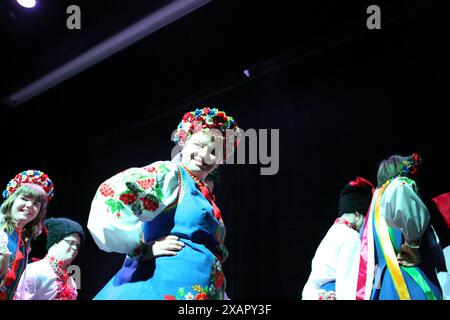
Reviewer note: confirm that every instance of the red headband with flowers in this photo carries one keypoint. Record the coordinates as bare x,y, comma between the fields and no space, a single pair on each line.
205,118
30,176
411,165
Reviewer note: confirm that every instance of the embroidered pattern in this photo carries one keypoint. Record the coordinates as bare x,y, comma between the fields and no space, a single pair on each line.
197,292
65,291
29,176
142,192
345,222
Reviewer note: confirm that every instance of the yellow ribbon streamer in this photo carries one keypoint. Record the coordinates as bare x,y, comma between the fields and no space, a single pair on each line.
388,250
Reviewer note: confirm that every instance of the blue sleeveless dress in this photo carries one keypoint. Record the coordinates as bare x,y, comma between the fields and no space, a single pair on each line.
195,273
419,284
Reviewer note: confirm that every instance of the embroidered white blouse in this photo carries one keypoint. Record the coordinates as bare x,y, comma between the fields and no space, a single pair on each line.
39,282
129,198
336,259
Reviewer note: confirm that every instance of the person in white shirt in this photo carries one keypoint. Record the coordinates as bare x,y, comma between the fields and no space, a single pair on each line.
335,263
48,279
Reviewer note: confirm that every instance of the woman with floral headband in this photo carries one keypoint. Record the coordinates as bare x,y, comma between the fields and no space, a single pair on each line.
21,217
392,243
139,205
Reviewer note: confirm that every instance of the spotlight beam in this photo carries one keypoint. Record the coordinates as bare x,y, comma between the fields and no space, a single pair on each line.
152,23
27,3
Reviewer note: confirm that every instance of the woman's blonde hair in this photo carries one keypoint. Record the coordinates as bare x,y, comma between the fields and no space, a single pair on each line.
32,229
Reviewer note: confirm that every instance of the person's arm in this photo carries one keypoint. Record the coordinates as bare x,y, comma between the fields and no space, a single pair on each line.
124,201
321,271
4,265
347,266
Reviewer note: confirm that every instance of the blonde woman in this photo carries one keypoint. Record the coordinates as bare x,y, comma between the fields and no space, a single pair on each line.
21,217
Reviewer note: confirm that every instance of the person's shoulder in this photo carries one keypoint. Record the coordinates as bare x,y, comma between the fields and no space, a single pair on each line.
403,181
158,168
343,233
37,265
161,167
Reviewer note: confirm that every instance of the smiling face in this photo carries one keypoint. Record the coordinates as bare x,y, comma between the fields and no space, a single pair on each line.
201,153
25,208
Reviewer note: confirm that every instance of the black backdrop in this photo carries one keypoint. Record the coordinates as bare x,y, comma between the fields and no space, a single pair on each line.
339,111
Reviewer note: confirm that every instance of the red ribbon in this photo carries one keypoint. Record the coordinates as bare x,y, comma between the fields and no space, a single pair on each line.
363,260
211,199
361,182
11,276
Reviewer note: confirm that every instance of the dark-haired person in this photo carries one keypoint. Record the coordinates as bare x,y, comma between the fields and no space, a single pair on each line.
392,267
48,279
21,215
335,264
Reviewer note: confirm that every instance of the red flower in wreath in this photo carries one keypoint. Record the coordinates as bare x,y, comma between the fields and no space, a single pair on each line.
169,297
188,117
220,118
415,157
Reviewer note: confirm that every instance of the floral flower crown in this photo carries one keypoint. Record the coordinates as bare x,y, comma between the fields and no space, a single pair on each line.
411,164
29,176
205,118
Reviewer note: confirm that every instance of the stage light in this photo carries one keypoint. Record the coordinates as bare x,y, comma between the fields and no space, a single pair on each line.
158,19
27,3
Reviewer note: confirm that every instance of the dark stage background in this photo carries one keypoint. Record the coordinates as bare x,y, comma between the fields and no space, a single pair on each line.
342,96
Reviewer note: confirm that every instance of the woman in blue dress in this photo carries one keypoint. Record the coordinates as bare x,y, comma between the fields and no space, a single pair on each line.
139,205
397,245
